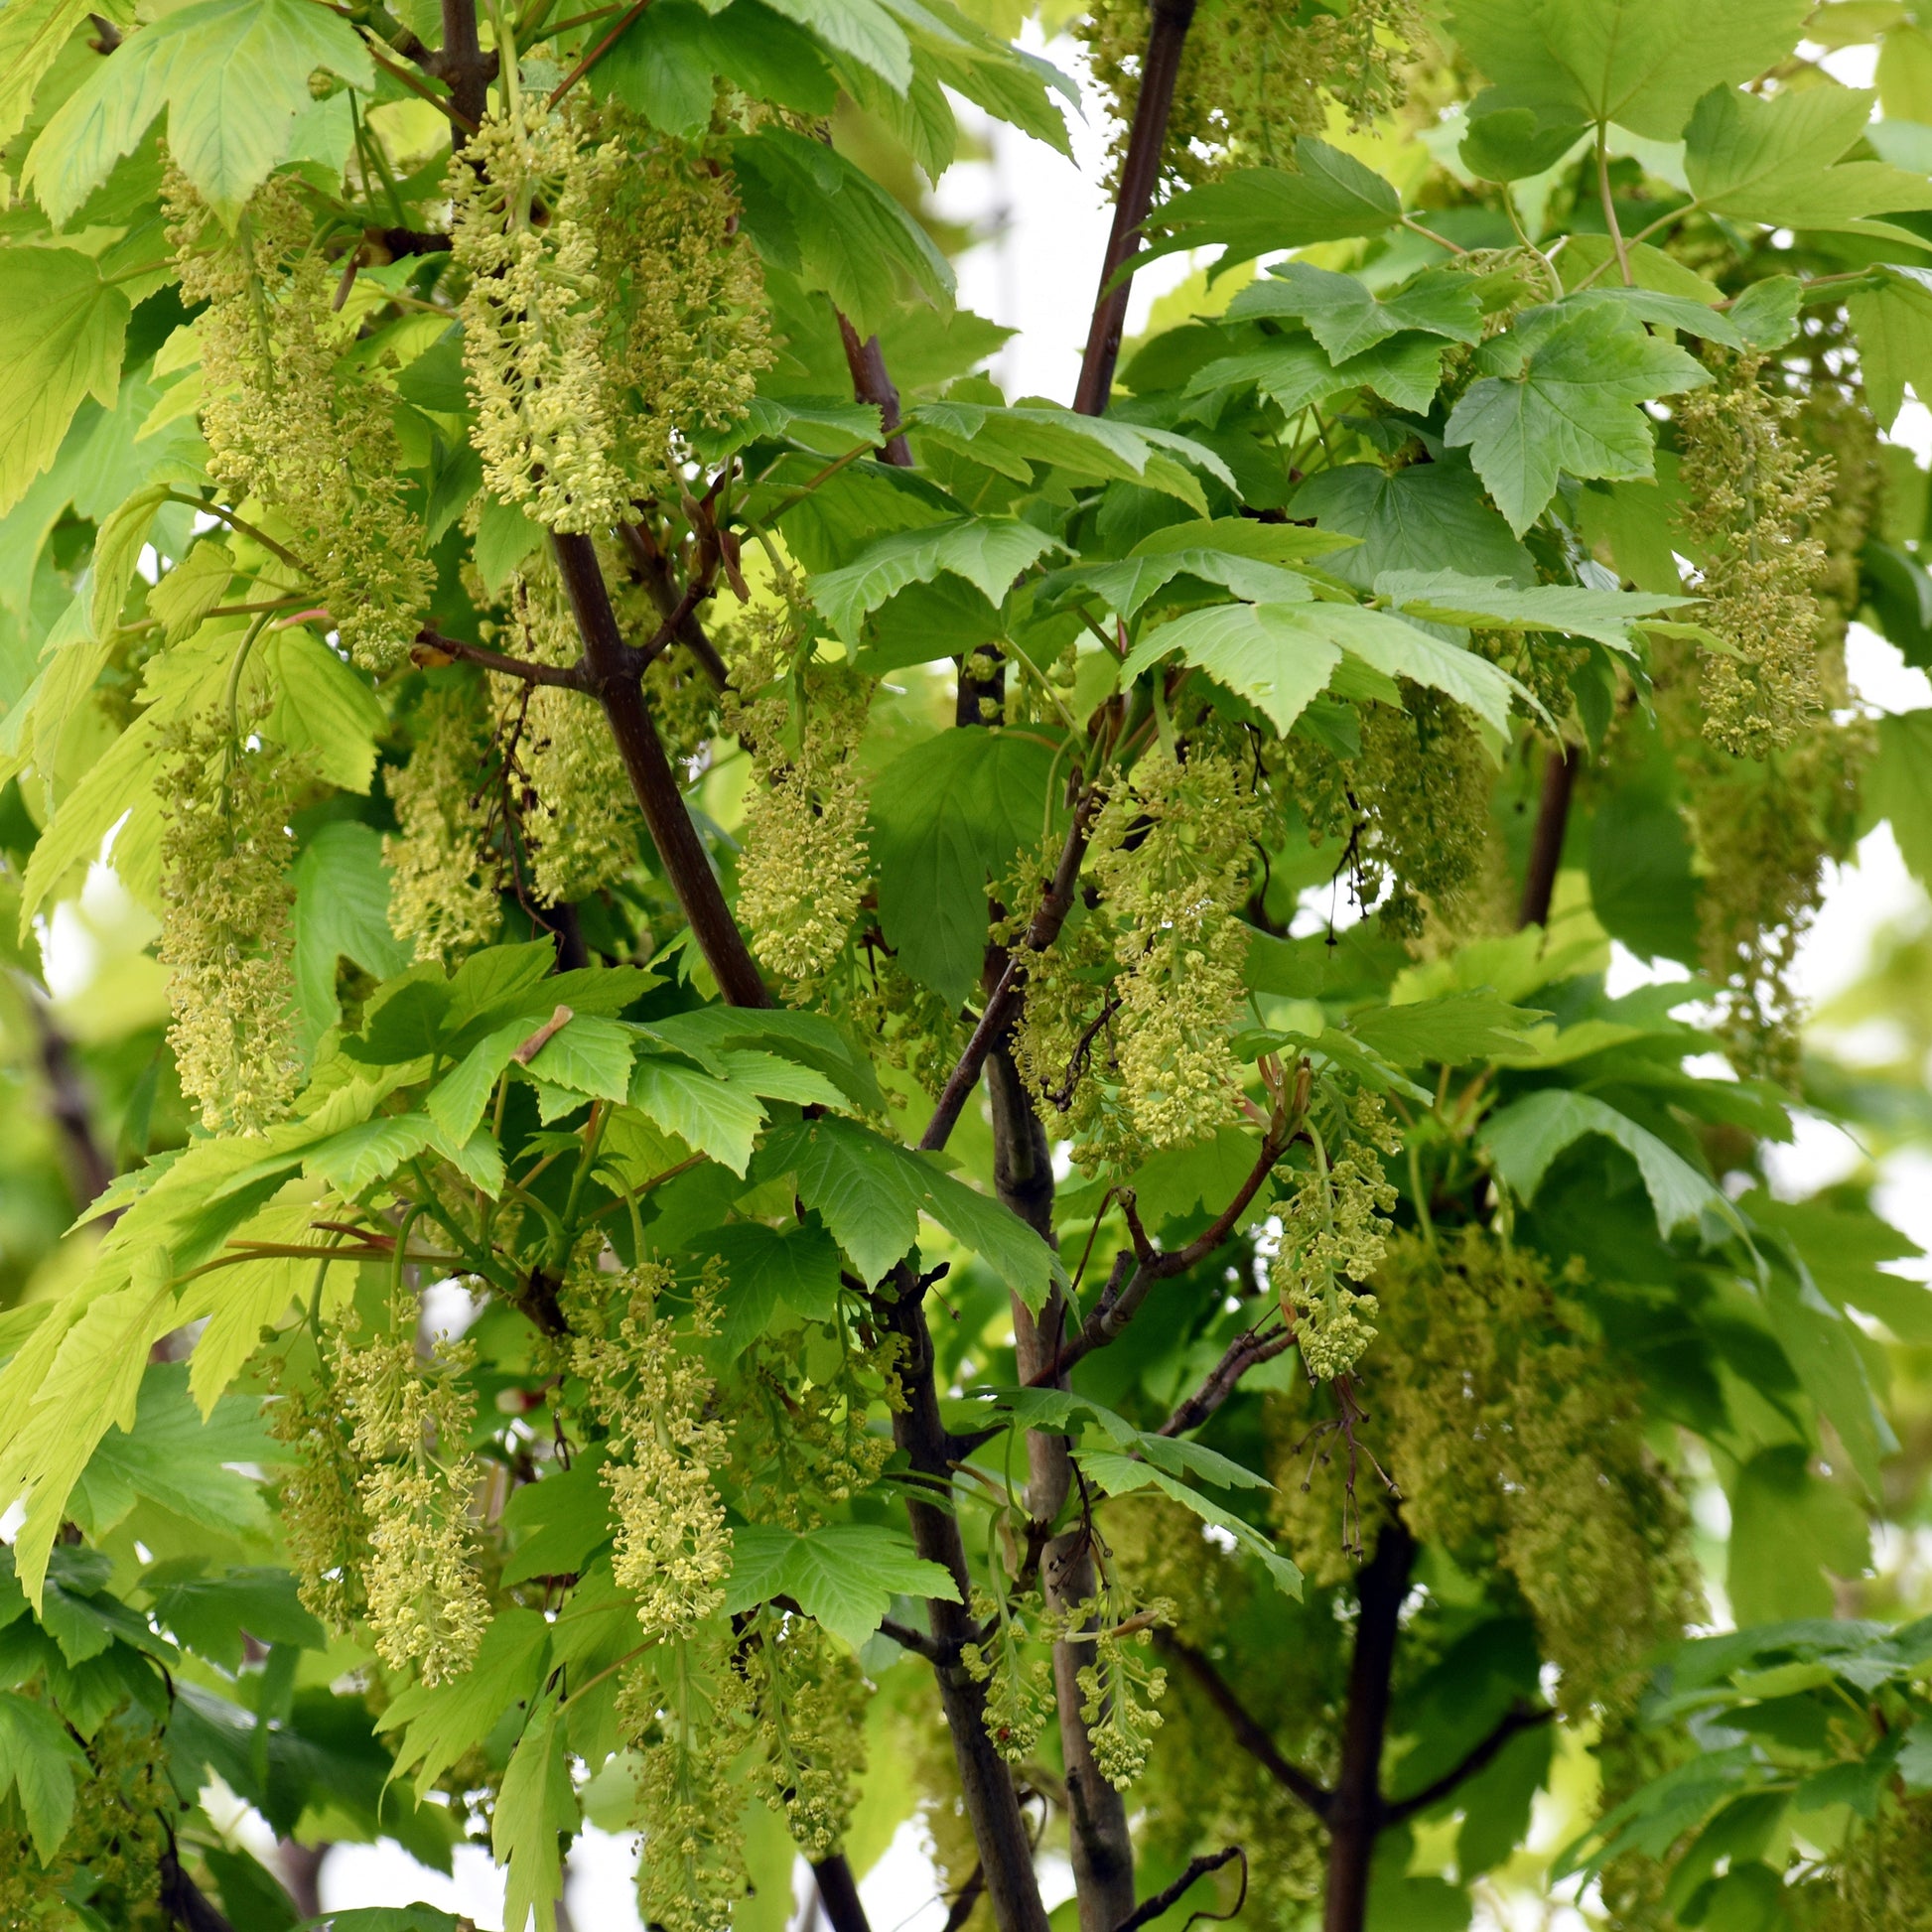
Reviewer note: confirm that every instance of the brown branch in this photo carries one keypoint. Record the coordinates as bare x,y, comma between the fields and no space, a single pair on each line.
1518,1719
1136,1271
653,570
1245,1353
1357,1811
872,383
986,1784
432,649
915,1640
1198,1868
686,865
838,1893
968,1895
1003,1005
1247,1732
409,242
1546,843
1140,173
183,1900
463,67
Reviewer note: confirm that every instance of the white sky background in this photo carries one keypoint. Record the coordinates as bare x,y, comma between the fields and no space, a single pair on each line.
1048,220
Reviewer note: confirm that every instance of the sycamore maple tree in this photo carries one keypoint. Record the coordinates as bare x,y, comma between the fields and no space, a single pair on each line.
756,1209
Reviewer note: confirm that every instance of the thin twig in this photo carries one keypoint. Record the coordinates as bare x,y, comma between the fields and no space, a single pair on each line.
1247,1732
1197,1869
597,53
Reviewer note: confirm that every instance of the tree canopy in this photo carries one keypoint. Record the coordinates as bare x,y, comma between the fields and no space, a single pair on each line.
810,1096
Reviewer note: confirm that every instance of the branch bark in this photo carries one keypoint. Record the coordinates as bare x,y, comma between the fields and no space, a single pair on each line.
1139,172
183,1900
1197,1869
838,1893
653,570
463,67
89,1168
432,648
1518,1719
1357,1811
871,382
1247,1732
1246,1352
1546,841
992,1804
680,851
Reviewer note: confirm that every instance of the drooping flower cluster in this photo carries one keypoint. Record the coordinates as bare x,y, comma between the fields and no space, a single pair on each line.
225,937
685,1703
1012,1664
1334,1234
1511,1436
673,1550
1172,852
1753,494
1255,75
808,1706
1120,1690
802,1446
578,842
320,452
803,869
444,897
533,338
682,292
410,1418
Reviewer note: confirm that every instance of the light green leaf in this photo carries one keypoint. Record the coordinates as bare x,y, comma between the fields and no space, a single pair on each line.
536,1804
1641,63
457,1101
215,1614
1346,317
1122,1476
188,592
234,75
1528,1134
38,1762
716,1116
440,1725
1295,371
323,711
62,331
1447,1032
1276,655
1447,596
1018,441
844,1575
1898,787
341,911
1770,160
988,552
1563,393
32,35
118,544
948,817
372,1149
1331,197
588,1055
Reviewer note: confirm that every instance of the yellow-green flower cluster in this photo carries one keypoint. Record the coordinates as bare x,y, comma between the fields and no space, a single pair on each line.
532,334
1120,1689
410,1421
1511,1436
225,937
1255,75
1013,1668
682,292
684,1703
673,1550
803,869
800,1445
1753,494
809,1705
320,453
1171,853
444,894
579,839
1334,1234
323,1523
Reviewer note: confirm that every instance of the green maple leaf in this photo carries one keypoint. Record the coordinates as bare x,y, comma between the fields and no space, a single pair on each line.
1561,392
